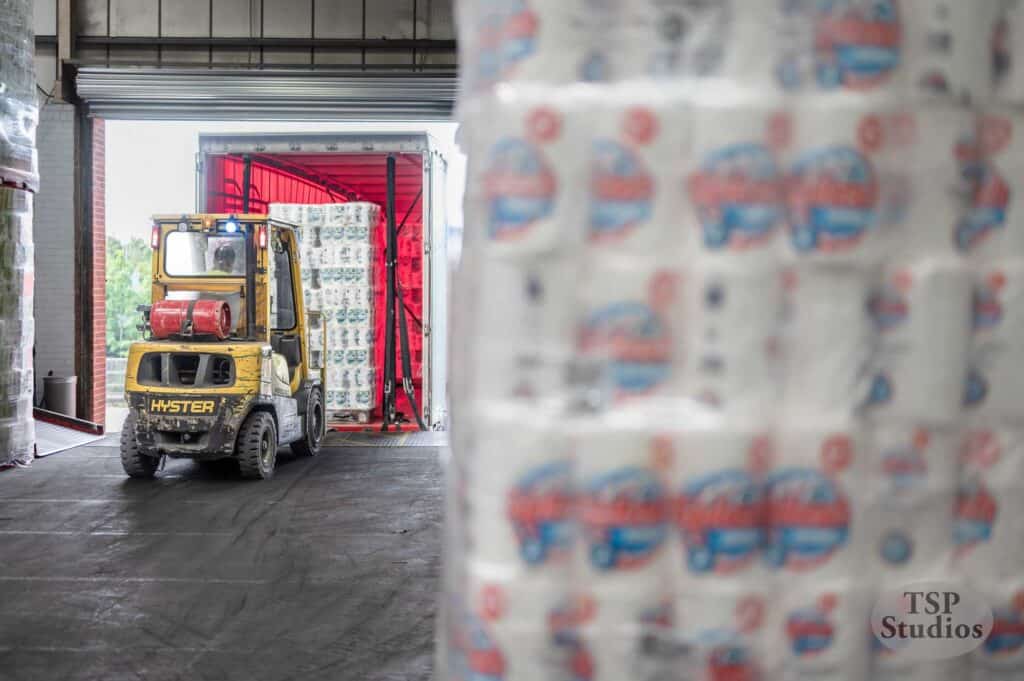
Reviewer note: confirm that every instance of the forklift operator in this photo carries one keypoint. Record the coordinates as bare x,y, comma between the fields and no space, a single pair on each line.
224,259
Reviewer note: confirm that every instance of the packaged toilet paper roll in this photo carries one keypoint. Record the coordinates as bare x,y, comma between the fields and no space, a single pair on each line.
722,631
673,39
835,174
949,49
719,508
994,227
733,321
907,463
535,41
828,340
502,596
610,615
622,505
524,317
527,186
987,533
640,133
916,540
629,324
518,482
912,478
819,630
817,502
998,306
1003,650
504,631
829,47
922,313
615,639
734,180
928,194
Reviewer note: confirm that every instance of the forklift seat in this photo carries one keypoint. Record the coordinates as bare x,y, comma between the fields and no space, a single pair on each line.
281,382
290,348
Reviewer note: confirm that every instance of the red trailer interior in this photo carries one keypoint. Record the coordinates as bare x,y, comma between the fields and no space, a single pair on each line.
337,178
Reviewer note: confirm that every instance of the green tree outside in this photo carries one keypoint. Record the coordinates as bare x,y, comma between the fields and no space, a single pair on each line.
128,286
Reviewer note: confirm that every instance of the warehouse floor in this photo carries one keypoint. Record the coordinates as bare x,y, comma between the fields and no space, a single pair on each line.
328,571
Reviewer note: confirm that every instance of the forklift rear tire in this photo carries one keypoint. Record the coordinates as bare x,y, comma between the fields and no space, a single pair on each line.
135,463
315,426
257,446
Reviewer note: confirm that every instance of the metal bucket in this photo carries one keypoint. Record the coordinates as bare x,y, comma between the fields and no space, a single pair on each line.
60,394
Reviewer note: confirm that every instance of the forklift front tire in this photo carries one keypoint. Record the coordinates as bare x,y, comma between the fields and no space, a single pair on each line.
315,425
135,462
257,446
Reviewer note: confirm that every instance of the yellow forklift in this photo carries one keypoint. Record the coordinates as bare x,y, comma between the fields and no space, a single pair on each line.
226,369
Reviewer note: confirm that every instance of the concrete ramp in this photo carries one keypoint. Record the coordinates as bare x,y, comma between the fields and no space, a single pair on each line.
57,433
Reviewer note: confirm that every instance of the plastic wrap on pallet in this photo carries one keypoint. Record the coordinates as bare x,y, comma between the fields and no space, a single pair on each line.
19,111
736,336
337,260
17,328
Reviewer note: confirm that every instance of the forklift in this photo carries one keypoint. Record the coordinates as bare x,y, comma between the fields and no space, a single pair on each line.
226,370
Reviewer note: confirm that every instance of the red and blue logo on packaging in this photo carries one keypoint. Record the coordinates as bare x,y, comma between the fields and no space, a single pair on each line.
990,197
990,193
809,517
506,35
833,200
728,658
976,388
475,655
738,193
1007,637
810,632
622,191
637,341
564,623
539,508
974,516
722,519
987,307
624,516
520,188
890,307
857,44
905,467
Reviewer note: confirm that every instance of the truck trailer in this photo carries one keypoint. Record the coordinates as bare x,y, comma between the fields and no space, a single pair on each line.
247,173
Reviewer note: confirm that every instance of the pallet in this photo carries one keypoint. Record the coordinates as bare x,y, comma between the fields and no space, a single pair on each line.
361,416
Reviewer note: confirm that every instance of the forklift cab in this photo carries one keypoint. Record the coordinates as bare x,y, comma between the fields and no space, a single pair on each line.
239,395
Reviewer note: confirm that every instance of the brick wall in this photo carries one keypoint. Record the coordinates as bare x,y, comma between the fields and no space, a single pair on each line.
54,235
99,275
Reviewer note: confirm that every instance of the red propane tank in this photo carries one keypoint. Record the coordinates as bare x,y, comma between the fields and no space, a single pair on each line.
190,317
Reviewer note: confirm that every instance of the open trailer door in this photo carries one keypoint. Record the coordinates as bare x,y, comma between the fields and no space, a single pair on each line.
328,168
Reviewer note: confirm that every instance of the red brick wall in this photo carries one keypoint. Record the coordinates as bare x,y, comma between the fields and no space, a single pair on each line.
98,407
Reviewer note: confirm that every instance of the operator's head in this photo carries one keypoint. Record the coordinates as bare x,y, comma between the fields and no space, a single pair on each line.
224,258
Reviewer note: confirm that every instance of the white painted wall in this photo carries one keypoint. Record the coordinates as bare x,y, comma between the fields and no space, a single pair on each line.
55,243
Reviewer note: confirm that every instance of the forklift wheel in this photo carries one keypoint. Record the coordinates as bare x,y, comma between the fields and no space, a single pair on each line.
135,463
257,446
314,422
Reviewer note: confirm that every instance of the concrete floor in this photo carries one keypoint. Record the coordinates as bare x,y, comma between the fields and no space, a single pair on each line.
328,571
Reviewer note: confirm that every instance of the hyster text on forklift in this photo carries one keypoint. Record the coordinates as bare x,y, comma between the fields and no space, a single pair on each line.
225,371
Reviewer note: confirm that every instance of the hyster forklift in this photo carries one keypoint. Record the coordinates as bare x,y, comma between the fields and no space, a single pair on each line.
225,371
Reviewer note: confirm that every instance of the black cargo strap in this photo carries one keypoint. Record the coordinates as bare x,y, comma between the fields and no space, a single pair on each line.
187,324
